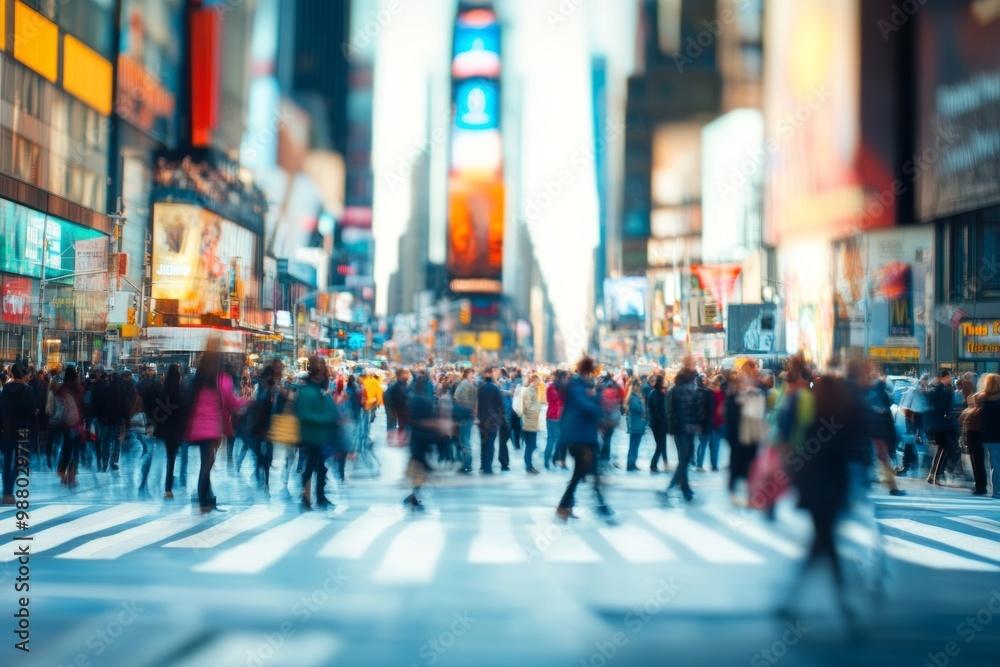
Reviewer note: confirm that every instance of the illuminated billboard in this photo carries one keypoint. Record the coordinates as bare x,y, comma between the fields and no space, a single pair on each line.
477,105
202,261
958,52
477,45
475,239
625,302
23,235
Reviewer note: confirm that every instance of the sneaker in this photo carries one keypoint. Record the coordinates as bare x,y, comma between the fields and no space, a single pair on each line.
897,492
632,469
532,471
168,494
699,469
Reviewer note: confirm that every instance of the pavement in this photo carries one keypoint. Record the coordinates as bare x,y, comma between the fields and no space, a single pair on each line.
486,576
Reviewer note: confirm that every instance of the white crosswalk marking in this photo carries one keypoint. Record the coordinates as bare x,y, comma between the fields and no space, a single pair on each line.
254,517
413,555
908,552
495,543
556,542
700,539
354,540
297,650
750,529
40,515
127,541
92,523
637,545
982,523
980,546
265,549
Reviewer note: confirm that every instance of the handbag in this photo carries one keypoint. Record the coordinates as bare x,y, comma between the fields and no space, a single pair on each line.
284,429
767,479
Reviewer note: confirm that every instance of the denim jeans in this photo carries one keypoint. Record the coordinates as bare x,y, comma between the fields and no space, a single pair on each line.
465,443
551,440
530,443
708,441
487,438
8,450
993,466
634,440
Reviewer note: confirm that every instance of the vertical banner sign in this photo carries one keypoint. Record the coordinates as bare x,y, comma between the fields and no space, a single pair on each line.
92,255
16,294
897,287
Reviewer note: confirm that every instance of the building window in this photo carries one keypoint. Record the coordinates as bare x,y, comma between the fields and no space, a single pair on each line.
27,160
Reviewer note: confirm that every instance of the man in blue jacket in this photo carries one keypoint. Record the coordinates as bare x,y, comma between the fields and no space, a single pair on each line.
582,417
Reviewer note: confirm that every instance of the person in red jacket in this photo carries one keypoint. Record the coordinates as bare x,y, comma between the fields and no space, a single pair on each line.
554,455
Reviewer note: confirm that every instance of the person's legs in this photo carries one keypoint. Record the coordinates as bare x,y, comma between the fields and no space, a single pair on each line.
940,460
685,449
184,452
8,448
486,438
714,445
977,458
515,430
634,439
147,459
171,446
660,453
465,443
580,469
882,453
207,449
699,455
503,452
993,466
530,443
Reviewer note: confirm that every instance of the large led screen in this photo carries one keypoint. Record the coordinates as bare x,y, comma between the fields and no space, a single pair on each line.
625,302
477,45
201,259
958,47
475,238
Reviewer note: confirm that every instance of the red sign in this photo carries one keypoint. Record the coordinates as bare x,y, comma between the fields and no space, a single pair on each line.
16,295
719,280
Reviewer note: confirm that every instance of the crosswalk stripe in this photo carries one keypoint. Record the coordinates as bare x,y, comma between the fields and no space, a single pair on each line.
558,543
354,539
762,535
909,552
92,523
43,514
982,523
311,647
700,539
254,517
413,554
264,550
495,543
637,545
980,546
127,541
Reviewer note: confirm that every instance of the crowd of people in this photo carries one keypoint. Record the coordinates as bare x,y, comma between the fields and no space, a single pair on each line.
324,416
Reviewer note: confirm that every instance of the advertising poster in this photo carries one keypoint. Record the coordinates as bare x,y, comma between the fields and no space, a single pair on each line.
958,51
625,302
477,45
16,293
194,252
92,255
475,248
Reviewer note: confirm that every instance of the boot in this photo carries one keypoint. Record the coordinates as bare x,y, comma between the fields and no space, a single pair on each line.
306,494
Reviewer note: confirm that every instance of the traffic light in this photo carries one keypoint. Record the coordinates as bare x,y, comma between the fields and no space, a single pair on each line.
465,314
130,316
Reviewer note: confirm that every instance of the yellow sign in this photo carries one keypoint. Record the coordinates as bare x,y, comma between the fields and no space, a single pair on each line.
464,339
490,340
979,339
3,25
86,75
277,338
907,353
36,41
129,330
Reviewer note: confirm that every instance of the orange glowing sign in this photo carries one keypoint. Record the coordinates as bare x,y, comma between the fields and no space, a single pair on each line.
475,244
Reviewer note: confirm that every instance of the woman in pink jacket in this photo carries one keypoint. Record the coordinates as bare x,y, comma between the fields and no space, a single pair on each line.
210,419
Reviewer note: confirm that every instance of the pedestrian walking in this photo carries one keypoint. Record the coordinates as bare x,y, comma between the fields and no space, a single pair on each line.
989,416
685,425
489,408
659,422
169,419
941,423
19,419
210,418
464,411
69,395
317,415
553,413
746,427
583,415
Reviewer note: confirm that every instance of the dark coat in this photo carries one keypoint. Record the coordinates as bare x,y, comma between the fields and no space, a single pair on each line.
489,400
583,413
17,407
656,407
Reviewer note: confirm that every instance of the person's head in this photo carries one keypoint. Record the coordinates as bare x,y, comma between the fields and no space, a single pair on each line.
467,373
991,384
318,371
19,372
658,382
944,376
70,376
352,381
209,366
585,367
173,380
924,379
488,373
504,373
635,385
534,380
798,370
